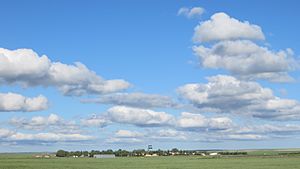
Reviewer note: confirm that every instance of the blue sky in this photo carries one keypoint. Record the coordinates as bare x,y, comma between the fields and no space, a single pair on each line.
150,46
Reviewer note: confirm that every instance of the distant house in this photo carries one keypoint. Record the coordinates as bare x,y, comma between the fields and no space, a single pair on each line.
154,155
104,156
213,154
151,155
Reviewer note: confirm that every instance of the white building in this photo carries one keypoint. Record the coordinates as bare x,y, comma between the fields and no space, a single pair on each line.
213,154
104,156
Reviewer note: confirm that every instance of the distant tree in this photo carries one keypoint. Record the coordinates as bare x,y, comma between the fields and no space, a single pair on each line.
109,151
160,152
61,153
93,152
139,152
121,153
85,153
78,153
124,153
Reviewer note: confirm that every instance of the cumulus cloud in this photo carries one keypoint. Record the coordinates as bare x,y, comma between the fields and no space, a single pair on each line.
126,137
25,67
252,132
4,133
168,134
128,134
234,132
224,135
52,123
223,27
48,137
17,102
197,121
191,12
246,137
9,135
221,137
139,117
150,118
267,129
43,129
194,127
36,122
140,100
230,95
247,60
96,121
116,140
130,115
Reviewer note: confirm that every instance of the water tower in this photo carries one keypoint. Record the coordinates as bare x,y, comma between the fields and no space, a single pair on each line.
149,147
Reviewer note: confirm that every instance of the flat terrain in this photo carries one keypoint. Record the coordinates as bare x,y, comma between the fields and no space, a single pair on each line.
178,162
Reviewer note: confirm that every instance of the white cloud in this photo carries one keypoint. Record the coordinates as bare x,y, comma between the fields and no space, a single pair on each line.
128,134
191,12
16,102
116,140
267,129
220,123
9,135
168,135
95,121
223,27
247,132
52,123
128,137
247,60
230,95
246,137
234,132
140,100
225,135
197,121
255,132
4,133
36,122
24,67
49,137
22,64
149,118
189,120
50,128
139,117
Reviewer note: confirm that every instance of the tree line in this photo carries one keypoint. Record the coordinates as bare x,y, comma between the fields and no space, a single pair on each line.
141,152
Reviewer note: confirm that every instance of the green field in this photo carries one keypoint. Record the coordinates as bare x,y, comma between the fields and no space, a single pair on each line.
176,162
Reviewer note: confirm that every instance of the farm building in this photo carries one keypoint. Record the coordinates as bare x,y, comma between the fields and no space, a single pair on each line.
213,154
104,156
151,155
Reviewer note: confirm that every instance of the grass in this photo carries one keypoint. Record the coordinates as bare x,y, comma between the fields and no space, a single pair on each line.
177,162
272,152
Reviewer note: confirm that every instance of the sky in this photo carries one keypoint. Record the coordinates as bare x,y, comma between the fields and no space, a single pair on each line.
190,74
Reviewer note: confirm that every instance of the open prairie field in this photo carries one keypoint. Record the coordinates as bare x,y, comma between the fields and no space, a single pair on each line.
179,162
